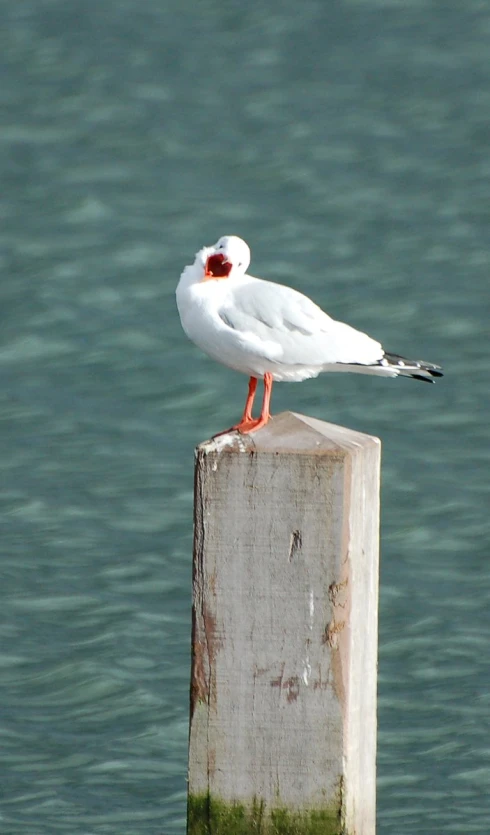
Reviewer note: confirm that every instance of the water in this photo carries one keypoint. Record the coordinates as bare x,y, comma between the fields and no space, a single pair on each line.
348,143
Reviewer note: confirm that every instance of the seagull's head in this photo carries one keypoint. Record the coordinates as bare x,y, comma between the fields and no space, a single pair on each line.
229,257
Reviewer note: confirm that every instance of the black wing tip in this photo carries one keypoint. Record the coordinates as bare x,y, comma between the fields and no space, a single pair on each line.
433,370
426,368
422,378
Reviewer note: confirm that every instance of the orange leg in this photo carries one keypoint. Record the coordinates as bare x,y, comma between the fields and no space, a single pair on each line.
252,388
246,419
247,422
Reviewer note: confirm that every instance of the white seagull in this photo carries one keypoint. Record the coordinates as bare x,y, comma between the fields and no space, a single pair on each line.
271,331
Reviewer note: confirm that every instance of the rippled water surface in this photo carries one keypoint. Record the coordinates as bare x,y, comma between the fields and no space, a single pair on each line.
348,142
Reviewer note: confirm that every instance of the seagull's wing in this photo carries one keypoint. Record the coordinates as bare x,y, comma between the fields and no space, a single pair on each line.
283,325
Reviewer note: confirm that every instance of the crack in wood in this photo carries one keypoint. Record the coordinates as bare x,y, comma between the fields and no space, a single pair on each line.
295,544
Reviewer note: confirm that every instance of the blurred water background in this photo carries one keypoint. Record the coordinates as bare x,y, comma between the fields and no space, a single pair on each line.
348,142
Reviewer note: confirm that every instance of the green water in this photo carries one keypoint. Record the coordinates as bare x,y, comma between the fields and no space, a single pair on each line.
348,142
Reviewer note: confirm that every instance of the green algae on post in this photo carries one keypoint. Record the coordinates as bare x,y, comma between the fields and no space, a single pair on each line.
207,816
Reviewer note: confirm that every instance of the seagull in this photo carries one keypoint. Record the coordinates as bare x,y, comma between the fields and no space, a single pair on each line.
270,331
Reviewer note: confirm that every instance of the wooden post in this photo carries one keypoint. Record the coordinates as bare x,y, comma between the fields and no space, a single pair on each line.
284,645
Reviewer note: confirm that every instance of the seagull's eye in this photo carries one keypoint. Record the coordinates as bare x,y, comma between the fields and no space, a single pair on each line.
221,246
240,263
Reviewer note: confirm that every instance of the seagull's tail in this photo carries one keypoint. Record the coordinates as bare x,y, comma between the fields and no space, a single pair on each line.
417,369
392,365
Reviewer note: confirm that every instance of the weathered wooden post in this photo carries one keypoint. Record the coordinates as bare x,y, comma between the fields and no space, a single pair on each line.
283,695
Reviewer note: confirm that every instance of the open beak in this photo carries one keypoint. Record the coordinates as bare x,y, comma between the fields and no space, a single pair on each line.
217,267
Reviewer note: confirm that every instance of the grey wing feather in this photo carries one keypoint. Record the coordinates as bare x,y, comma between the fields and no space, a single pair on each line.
302,333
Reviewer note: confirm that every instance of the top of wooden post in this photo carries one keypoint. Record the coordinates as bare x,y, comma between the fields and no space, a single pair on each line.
291,432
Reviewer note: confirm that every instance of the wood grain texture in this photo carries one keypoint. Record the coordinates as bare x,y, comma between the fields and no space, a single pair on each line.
285,591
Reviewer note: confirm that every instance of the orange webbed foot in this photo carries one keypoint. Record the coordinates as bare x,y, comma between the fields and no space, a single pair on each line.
245,427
